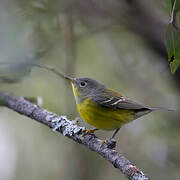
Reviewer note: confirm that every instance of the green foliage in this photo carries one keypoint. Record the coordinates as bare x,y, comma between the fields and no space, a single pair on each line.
173,46
169,6
173,35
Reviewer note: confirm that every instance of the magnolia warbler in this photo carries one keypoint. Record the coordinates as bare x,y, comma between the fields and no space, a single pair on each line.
105,108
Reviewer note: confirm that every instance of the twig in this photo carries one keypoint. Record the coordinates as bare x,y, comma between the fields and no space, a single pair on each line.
74,132
42,66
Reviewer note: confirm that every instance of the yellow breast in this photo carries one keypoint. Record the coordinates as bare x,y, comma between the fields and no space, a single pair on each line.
102,117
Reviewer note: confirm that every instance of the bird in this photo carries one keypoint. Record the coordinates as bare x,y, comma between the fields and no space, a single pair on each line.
105,108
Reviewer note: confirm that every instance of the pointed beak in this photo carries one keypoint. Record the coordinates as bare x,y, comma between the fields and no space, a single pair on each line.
69,79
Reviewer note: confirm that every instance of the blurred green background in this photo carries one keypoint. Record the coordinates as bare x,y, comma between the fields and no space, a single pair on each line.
118,42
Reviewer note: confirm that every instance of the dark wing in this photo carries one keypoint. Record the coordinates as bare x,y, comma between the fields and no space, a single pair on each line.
119,103
116,101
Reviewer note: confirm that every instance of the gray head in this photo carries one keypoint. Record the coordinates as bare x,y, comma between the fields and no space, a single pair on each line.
85,87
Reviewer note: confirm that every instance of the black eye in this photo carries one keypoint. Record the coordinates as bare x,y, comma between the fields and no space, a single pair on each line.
82,83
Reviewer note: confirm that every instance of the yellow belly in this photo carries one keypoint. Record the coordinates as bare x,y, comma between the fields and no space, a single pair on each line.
102,117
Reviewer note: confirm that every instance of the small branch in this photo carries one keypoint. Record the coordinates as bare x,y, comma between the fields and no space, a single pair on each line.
74,132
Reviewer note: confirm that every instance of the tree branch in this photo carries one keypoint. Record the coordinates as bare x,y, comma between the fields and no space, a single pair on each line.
74,132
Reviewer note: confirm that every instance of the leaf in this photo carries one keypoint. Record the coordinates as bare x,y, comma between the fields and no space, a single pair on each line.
173,35
173,47
169,6
177,5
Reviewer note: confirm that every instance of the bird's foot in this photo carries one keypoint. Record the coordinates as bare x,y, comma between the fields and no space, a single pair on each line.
108,143
89,131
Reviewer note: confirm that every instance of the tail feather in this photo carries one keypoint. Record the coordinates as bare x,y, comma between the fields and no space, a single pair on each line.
147,110
161,109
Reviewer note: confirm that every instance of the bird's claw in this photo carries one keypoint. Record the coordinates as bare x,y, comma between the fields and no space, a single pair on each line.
110,143
89,131
103,142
